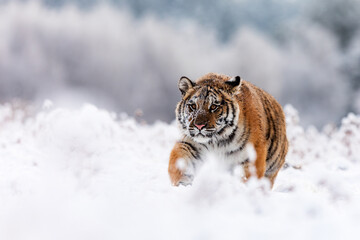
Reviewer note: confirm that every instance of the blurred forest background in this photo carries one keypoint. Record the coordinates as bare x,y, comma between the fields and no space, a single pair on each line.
126,55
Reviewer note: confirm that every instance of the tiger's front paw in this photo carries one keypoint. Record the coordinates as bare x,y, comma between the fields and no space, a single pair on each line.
177,177
186,179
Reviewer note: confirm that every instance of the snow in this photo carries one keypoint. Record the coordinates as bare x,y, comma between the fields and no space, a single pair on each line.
89,174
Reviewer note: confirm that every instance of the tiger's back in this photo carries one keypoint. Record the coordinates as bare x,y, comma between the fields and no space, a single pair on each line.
224,114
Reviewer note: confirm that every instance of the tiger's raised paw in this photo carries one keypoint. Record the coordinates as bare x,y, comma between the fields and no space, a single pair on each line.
177,178
186,180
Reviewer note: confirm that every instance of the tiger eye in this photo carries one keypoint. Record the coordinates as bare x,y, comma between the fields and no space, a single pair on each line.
213,107
193,106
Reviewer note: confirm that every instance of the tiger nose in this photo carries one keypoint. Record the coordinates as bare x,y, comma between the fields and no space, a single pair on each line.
199,126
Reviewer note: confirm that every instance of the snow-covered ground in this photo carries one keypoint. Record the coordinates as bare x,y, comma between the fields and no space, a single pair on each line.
89,174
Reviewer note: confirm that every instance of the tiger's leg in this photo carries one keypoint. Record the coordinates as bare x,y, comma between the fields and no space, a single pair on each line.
272,178
247,172
276,164
187,153
260,164
272,173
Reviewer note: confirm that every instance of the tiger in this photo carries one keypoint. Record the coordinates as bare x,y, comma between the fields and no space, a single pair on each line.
223,115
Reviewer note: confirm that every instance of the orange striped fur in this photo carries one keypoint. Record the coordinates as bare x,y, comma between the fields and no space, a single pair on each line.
223,115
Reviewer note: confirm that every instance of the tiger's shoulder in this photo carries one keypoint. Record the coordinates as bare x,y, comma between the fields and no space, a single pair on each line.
256,104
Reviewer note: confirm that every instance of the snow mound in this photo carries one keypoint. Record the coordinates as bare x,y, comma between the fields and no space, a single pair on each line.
90,174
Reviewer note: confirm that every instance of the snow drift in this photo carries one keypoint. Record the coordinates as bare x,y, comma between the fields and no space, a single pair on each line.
90,174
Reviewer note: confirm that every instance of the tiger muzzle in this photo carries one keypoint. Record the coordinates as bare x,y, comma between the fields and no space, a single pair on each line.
200,122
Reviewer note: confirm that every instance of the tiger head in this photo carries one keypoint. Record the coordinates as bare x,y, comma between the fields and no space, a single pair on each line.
208,111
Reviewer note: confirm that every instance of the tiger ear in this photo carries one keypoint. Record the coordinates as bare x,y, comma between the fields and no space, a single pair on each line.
234,83
185,84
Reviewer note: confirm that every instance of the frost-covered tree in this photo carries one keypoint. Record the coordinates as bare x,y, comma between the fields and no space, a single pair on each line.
352,70
339,16
131,56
